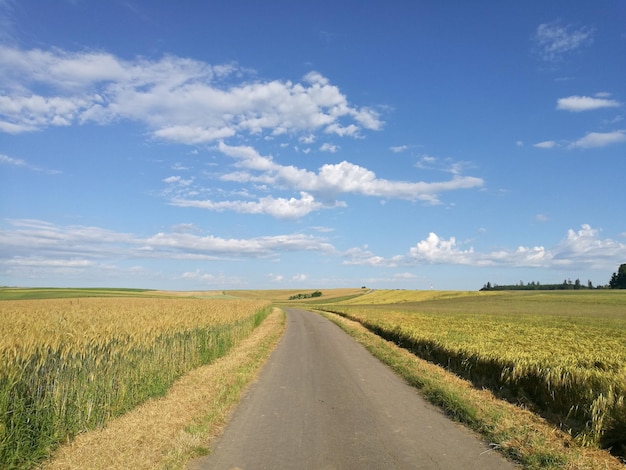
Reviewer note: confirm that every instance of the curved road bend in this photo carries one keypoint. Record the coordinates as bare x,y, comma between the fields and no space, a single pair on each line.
323,402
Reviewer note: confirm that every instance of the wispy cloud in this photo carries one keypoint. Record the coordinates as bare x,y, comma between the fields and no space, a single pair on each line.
34,242
600,139
18,162
555,40
585,103
589,140
278,207
546,144
326,147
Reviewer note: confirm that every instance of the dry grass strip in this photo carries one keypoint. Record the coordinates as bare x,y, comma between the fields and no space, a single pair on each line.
165,433
517,433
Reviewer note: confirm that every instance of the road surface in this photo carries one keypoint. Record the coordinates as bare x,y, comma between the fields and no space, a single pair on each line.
323,402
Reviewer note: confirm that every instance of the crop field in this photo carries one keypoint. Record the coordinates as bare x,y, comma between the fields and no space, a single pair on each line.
561,354
70,365
282,295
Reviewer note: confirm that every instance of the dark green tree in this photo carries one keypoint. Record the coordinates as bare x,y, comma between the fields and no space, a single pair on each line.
618,279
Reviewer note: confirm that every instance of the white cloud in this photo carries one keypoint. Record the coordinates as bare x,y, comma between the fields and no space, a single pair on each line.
364,257
334,179
582,249
585,103
178,99
326,147
399,148
280,208
307,139
600,139
555,40
299,277
210,279
276,277
39,262
178,180
34,242
547,144
6,160
437,250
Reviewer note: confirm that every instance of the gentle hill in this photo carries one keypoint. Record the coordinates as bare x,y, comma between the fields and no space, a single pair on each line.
375,297
283,295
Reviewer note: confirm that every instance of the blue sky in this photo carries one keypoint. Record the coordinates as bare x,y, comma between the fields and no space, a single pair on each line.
282,144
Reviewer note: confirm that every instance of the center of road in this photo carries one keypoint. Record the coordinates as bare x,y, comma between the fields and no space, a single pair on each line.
323,402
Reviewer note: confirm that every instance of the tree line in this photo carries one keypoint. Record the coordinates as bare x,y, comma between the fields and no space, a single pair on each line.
306,296
618,281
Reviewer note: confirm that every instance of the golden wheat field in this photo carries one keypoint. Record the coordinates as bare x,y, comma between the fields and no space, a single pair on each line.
562,354
68,365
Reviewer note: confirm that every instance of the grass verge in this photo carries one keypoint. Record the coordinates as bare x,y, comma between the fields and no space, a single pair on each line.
517,433
168,432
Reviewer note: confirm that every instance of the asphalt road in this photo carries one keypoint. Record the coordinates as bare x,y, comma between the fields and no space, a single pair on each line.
323,402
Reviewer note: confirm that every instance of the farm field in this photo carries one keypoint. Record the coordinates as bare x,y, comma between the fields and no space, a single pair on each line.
68,365
560,354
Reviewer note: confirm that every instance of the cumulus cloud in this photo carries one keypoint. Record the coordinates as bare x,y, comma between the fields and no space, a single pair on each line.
316,190
585,103
332,180
438,250
580,249
555,40
177,99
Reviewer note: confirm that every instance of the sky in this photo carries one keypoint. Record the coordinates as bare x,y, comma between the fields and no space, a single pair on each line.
287,144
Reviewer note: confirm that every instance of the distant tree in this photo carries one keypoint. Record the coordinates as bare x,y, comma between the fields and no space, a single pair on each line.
618,279
577,284
589,284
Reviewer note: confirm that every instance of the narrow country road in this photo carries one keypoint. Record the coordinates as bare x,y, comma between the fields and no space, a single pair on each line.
323,402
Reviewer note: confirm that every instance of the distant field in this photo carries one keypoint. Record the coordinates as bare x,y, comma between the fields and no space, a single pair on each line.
20,293
561,353
23,293
282,295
